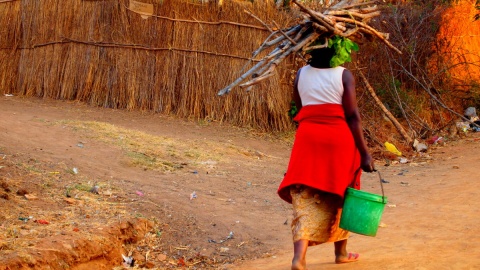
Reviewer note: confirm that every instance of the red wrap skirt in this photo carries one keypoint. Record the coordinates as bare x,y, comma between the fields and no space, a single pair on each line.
324,155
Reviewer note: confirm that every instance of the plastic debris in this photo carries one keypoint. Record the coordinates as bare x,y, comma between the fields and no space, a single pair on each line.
30,197
193,195
80,145
385,181
75,170
128,261
470,112
139,193
9,95
435,140
42,221
392,149
230,236
181,262
24,219
419,147
403,160
463,126
94,189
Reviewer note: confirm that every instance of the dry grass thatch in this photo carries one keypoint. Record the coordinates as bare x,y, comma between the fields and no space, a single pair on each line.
102,53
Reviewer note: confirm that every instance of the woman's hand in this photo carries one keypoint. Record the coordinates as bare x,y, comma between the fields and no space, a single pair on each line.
367,163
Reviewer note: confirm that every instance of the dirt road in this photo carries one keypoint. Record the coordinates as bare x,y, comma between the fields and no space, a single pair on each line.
224,183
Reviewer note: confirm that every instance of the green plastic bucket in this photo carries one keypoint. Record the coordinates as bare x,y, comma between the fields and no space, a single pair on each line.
362,212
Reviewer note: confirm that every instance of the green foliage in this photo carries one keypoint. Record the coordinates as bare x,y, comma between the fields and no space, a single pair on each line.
343,50
293,110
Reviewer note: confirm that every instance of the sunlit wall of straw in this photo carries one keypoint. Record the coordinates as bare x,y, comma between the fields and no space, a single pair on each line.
10,37
104,54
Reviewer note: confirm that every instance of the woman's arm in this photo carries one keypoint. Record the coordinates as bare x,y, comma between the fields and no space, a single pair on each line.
352,115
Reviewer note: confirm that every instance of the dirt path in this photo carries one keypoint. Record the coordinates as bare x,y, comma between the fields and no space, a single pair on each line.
432,221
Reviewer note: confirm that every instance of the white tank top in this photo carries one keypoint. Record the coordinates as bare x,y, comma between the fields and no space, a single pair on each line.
320,85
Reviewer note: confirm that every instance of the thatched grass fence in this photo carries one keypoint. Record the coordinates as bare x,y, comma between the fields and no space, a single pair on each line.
103,53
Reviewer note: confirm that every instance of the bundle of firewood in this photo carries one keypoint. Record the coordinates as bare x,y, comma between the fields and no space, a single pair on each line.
348,18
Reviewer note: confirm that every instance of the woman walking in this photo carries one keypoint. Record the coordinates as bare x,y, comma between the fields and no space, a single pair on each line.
328,154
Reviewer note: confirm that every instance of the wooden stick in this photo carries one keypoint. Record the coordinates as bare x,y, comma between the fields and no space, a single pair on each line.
354,14
379,103
385,35
280,38
351,31
250,72
307,48
263,45
320,27
258,19
341,26
358,10
285,35
318,18
344,3
269,73
227,89
373,31
368,9
338,6
324,17
134,46
275,54
203,22
303,30
309,38
271,58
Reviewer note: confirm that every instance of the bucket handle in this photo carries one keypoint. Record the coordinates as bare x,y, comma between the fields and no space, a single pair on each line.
381,185
379,176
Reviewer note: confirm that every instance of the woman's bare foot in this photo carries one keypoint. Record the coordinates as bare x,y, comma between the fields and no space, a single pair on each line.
299,261
351,257
299,264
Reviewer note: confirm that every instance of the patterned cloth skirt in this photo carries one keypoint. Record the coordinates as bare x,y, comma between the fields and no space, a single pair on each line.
316,216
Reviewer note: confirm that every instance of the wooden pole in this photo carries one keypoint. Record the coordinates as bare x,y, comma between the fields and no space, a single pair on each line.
389,115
